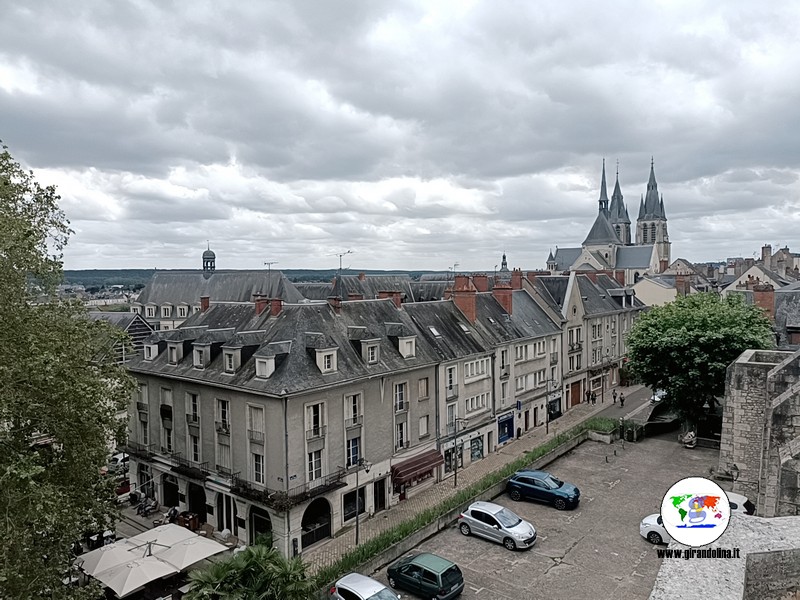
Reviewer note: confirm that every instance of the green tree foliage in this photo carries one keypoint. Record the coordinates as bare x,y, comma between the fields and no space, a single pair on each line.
257,573
58,402
685,347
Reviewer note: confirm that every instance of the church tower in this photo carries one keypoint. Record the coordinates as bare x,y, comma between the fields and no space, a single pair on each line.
651,226
209,260
618,214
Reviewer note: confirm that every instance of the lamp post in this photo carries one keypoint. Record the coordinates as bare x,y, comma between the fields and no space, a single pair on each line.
366,465
734,475
456,422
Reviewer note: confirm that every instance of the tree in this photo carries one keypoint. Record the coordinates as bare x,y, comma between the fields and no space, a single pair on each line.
257,573
685,347
58,402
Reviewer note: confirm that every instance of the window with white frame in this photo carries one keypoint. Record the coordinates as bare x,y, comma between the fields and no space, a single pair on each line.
541,347
554,345
408,348
255,422
148,353
264,367
353,451
519,383
476,368
400,435
229,365
540,377
578,362
182,311
172,353
166,311
477,402
258,468
372,353
151,311
451,377
198,358
503,357
194,445
142,395
223,413
423,426
400,397
315,419
352,409
522,352
223,457
452,415
504,391
314,465
193,406
423,388
144,433
571,363
166,396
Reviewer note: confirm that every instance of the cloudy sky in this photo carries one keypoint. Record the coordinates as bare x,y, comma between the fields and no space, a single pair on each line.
415,134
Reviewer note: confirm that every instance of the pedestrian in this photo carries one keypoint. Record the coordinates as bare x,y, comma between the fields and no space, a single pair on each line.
614,396
622,399
594,398
588,396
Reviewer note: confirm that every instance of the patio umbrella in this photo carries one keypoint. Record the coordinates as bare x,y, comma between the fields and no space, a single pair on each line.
132,576
188,552
163,535
109,556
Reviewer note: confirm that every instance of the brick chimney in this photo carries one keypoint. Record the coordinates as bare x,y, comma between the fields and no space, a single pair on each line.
464,297
516,279
620,277
503,293
481,282
275,307
682,284
205,302
336,303
764,298
362,276
261,303
395,296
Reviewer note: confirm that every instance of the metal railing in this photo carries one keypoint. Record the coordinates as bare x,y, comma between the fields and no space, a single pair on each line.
576,346
451,391
316,432
223,427
190,468
192,419
283,500
353,421
140,450
255,436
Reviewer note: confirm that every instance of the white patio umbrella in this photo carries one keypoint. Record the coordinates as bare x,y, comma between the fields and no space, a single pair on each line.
188,552
162,536
109,556
132,576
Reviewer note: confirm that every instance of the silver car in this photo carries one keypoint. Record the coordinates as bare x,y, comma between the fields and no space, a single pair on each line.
359,587
498,524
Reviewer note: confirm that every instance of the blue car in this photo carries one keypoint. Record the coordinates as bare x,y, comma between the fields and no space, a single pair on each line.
543,487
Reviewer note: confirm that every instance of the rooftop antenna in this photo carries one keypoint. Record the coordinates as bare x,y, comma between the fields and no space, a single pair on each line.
269,264
340,255
453,268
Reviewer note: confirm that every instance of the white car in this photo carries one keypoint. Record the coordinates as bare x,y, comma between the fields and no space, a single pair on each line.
652,529
360,587
657,396
740,504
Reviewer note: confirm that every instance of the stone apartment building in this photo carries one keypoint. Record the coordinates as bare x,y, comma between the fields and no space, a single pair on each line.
760,443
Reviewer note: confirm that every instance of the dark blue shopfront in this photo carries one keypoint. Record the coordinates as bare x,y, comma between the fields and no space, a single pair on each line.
505,427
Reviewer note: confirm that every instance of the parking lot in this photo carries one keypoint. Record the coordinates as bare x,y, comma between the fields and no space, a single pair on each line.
594,551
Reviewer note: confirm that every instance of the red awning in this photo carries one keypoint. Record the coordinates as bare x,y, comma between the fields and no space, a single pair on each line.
415,466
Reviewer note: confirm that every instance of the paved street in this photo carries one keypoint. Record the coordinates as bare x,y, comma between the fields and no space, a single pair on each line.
327,552
594,551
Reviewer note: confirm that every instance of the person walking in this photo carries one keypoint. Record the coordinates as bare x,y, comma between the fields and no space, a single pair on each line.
594,398
588,396
622,399
614,396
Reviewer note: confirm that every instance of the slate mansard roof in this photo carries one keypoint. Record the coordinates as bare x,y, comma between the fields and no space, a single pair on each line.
457,337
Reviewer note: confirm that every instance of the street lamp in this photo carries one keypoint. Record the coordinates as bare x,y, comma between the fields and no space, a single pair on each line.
734,475
454,456
366,465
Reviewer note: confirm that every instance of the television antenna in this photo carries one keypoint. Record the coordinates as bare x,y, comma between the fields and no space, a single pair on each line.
340,255
453,269
269,264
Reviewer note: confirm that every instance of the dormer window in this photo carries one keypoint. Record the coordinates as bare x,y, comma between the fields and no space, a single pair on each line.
265,367
182,311
151,311
150,352
407,347
166,311
372,354
199,361
173,355
326,361
230,366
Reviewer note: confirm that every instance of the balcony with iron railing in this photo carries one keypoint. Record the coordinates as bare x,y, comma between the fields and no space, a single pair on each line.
451,391
283,500
223,427
400,406
189,468
353,421
255,436
316,432
192,419
575,346
143,451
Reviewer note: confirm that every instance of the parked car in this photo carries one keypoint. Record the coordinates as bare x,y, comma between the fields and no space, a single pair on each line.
658,396
118,463
740,504
427,576
359,587
498,524
652,529
543,487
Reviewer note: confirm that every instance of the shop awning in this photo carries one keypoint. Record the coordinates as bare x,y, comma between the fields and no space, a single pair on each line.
416,465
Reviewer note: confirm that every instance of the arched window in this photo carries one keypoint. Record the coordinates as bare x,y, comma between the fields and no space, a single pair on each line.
644,234
653,232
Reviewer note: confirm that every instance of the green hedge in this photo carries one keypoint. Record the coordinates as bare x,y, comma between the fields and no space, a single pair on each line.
352,560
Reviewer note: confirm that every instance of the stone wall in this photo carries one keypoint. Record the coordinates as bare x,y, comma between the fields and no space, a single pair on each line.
781,473
772,575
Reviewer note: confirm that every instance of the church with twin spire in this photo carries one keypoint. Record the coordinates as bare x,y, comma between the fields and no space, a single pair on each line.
610,244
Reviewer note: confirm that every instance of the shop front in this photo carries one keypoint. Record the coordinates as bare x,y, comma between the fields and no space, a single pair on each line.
505,427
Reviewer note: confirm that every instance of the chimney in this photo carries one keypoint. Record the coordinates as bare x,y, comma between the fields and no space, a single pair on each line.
516,279
261,303
620,277
766,256
275,307
503,293
481,282
464,297
663,265
336,303
764,298
362,276
395,296
205,301
682,285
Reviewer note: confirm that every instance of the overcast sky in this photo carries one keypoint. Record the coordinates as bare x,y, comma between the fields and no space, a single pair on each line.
415,134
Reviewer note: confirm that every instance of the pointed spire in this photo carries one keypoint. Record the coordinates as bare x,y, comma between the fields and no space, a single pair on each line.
603,201
550,257
641,208
663,214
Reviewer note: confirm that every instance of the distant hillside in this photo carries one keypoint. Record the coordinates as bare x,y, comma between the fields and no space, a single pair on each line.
130,277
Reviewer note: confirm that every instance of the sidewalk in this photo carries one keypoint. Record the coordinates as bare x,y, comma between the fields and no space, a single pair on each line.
328,552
